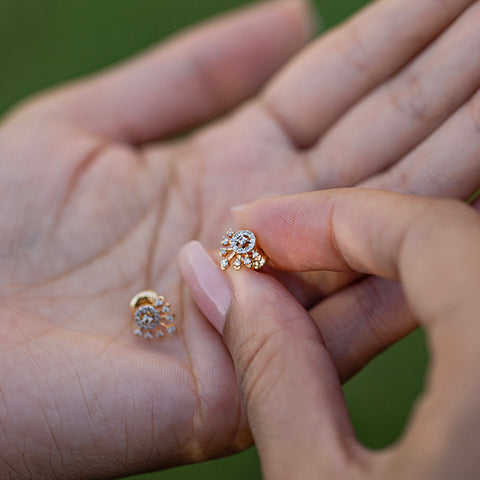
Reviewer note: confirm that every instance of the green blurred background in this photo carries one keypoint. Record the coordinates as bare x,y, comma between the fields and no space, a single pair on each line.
47,42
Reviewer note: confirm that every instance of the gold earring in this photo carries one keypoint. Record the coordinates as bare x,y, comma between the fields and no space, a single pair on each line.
240,249
152,315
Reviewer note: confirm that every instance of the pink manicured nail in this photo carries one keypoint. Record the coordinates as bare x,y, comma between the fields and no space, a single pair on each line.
210,288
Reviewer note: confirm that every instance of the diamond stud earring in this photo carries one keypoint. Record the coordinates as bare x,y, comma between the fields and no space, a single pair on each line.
152,315
240,249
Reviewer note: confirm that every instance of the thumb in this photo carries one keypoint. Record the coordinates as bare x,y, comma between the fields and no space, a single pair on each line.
288,383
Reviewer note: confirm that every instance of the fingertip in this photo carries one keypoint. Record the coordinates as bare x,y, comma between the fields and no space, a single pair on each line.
308,16
315,18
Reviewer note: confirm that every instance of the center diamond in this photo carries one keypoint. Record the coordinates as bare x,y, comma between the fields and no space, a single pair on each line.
147,317
243,242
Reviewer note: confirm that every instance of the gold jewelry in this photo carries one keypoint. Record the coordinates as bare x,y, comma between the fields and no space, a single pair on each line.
152,315
240,249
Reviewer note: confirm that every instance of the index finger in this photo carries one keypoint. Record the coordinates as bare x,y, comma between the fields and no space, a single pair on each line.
420,241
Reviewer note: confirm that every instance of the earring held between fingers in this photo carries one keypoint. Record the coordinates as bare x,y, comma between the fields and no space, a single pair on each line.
240,249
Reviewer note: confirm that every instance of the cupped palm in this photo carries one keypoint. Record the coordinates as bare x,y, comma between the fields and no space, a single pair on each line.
92,212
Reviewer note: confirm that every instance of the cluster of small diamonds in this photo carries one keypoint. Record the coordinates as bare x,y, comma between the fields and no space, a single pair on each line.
238,249
147,317
155,319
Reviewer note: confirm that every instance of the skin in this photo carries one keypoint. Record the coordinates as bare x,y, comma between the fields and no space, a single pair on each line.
97,200
287,377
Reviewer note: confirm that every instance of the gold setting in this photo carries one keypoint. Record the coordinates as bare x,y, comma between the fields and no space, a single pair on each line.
152,315
240,249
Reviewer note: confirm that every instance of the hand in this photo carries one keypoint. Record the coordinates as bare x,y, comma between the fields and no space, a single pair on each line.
287,378
389,100
92,213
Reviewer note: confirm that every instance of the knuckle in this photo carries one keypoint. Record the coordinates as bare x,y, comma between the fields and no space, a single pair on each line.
354,49
202,69
408,97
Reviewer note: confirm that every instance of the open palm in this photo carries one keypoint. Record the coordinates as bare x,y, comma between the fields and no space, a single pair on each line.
93,211
91,215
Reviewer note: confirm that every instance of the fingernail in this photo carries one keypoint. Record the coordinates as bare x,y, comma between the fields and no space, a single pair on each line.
210,288
238,207
242,206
